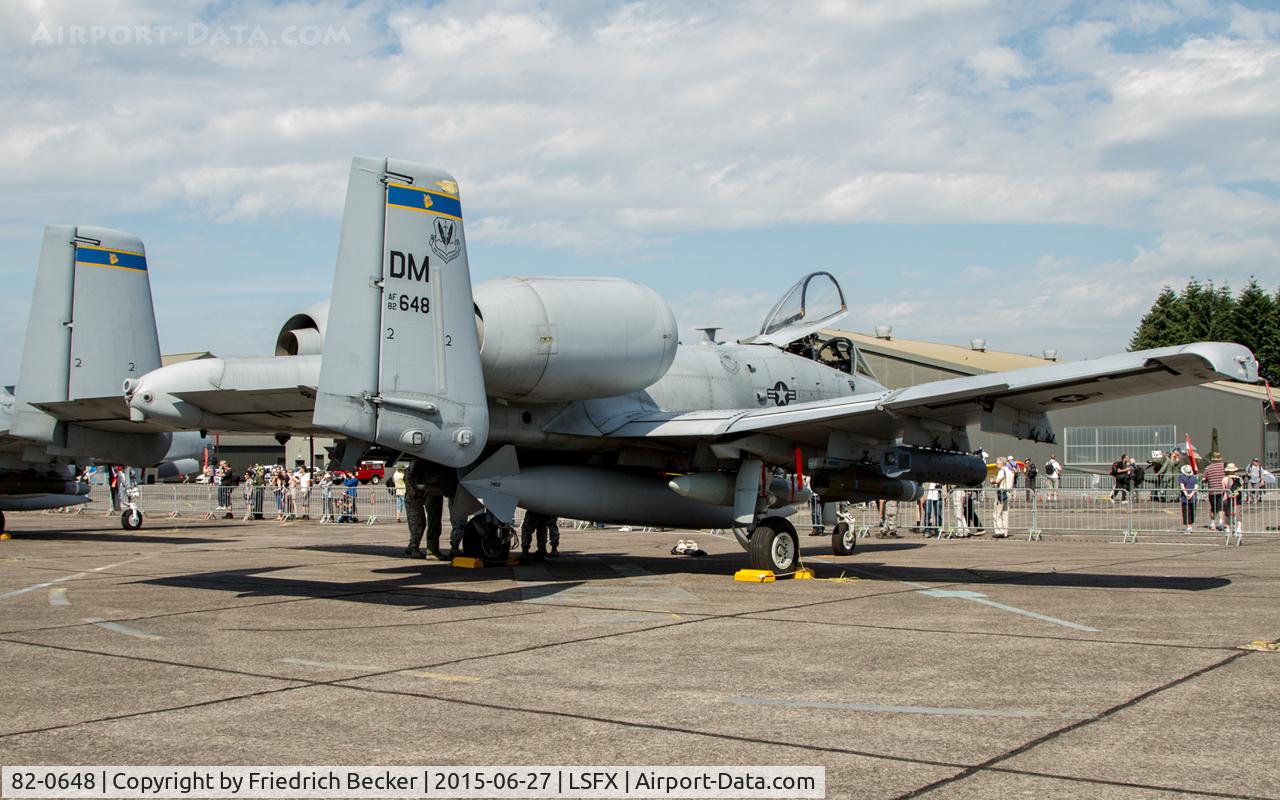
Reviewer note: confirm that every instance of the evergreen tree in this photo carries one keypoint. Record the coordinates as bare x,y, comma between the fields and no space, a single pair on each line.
1163,325
1207,313
1253,321
1196,308
1222,306
1268,351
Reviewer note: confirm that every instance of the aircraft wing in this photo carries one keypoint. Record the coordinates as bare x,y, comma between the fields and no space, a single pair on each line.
11,445
1011,402
100,413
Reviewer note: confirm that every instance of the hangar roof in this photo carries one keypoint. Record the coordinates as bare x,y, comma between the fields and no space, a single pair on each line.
175,358
976,362
947,356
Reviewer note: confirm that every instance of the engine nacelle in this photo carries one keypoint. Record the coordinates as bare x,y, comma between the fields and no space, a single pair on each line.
549,339
303,333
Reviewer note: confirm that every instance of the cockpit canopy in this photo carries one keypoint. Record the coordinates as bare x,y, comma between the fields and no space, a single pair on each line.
794,325
814,303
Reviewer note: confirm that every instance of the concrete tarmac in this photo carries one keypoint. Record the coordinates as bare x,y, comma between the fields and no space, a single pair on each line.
952,669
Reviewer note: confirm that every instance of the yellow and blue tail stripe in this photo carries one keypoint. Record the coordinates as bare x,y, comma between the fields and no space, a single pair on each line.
92,256
414,198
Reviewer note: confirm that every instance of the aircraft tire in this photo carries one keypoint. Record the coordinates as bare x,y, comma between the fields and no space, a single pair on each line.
742,538
1,522
775,546
131,519
844,539
483,539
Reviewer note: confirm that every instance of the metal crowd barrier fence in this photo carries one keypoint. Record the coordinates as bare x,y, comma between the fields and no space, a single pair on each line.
369,504
1145,512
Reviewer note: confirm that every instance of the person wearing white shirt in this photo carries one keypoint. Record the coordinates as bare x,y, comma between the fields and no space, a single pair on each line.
1003,481
1053,474
304,492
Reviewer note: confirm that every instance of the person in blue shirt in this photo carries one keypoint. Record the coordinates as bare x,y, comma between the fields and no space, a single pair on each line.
350,513
1187,493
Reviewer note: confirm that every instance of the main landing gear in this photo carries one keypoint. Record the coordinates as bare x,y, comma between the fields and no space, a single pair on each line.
485,537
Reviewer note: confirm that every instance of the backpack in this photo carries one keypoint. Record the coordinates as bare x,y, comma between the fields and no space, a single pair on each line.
1049,470
1139,475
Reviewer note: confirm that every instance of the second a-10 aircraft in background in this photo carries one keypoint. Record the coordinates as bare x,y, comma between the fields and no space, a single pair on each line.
574,397
92,325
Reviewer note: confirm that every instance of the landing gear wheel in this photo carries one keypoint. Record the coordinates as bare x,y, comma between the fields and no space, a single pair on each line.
775,546
131,519
844,539
1,522
487,539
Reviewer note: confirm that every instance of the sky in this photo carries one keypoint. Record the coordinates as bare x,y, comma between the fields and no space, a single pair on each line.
1028,173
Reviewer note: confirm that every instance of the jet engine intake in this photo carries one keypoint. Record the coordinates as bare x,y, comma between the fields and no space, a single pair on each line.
303,333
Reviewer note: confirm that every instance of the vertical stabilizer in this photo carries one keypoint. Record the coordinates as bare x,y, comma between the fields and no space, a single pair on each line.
92,325
401,360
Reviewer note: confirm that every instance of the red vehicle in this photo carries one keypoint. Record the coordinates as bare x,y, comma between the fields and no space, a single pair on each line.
371,472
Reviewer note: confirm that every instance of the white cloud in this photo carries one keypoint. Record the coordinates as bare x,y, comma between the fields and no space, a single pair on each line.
598,127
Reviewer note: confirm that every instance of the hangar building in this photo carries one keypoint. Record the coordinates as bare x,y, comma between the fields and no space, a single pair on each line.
1091,437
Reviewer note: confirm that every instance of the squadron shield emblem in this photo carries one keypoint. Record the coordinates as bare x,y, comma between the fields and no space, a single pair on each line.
444,239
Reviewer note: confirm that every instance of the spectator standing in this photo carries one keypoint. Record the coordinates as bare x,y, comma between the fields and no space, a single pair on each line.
1120,472
398,481
1211,480
1003,482
352,484
304,492
1232,498
958,512
259,489
932,509
326,497
1188,495
295,490
1053,475
279,487
1253,480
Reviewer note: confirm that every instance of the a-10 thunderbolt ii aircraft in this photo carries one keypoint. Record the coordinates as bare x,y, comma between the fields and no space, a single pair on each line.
573,396
92,325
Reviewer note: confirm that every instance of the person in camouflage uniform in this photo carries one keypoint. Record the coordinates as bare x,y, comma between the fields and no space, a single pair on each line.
426,487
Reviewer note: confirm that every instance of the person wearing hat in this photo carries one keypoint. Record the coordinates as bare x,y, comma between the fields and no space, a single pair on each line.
1187,486
1253,481
1232,494
1211,480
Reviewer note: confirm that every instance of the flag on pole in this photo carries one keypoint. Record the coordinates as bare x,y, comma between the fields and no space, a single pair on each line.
1191,454
1270,396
